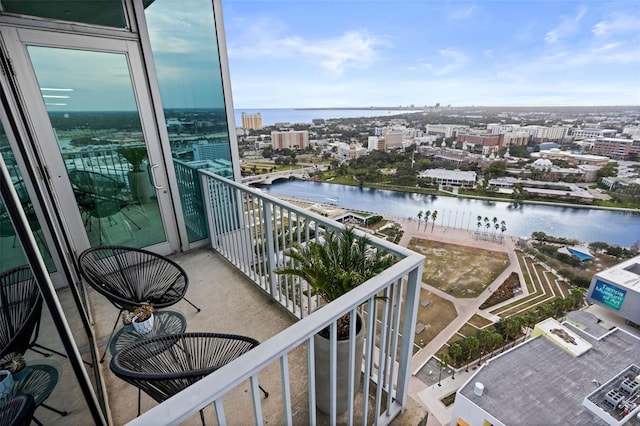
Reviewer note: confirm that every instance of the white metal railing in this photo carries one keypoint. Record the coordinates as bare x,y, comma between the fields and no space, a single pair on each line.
251,230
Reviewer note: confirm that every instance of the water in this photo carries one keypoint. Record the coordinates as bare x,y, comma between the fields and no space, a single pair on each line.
587,225
270,116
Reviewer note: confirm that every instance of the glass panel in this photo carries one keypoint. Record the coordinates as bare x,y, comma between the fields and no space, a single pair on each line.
49,378
109,13
185,54
93,111
12,254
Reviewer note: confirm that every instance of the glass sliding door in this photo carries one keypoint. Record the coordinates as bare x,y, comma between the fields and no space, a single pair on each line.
99,139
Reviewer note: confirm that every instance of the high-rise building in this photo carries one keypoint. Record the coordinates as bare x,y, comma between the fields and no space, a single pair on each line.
294,139
211,151
252,121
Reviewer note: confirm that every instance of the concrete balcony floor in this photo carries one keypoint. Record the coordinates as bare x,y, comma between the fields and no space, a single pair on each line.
230,304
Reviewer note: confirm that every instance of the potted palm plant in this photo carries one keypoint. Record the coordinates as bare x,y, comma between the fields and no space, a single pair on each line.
331,269
138,178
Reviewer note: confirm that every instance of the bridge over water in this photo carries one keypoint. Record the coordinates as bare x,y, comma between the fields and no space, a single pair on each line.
269,178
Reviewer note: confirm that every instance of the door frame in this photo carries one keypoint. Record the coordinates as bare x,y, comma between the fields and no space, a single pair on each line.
16,41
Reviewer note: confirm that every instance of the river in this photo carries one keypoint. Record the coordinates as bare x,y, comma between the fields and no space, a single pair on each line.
586,225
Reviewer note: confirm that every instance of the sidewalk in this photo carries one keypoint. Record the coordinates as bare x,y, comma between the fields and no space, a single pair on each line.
431,395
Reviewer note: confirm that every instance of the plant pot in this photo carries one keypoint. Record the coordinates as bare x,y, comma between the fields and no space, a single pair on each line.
140,186
323,379
143,327
6,384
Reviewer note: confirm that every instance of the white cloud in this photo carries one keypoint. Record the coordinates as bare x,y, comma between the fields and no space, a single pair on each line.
453,61
463,13
352,49
616,24
569,25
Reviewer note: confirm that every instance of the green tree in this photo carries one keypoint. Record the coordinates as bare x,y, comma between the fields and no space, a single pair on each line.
455,350
427,216
434,216
496,340
443,361
484,339
471,343
419,219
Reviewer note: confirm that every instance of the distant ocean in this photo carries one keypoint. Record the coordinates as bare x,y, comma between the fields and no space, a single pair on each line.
270,116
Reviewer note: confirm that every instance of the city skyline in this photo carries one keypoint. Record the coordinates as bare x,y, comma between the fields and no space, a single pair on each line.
324,54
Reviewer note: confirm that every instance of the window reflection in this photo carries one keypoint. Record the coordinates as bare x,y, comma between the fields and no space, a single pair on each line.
185,52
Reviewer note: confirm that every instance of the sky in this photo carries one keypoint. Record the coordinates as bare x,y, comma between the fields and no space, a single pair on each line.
359,53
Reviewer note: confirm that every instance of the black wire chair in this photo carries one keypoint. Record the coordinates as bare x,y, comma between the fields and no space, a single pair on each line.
20,312
99,196
129,277
18,411
164,365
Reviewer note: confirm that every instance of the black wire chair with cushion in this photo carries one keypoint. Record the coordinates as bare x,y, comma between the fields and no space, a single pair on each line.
20,312
18,411
129,277
162,366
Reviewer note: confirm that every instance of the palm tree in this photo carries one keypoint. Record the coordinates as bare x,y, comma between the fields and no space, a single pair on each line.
545,311
419,219
337,265
496,227
496,340
443,361
427,215
484,339
479,224
486,223
495,223
434,215
455,350
530,318
471,343
503,227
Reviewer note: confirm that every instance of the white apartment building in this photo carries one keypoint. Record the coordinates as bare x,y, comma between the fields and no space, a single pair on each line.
546,134
587,133
446,130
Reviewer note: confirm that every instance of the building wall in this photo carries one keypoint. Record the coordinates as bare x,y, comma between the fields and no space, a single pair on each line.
614,289
471,414
614,148
298,139
393,138
252,121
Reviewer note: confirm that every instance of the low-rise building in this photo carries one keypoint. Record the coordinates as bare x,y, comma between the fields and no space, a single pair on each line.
450,177
564,375
618,289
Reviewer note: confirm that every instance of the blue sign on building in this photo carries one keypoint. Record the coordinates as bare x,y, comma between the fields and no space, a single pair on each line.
608,294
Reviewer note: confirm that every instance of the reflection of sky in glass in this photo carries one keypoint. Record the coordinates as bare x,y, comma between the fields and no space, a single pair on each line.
79,80
185,53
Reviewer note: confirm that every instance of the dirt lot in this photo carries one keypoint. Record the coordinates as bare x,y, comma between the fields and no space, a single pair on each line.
459,270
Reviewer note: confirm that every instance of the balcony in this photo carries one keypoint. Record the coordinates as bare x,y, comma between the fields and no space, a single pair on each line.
234,283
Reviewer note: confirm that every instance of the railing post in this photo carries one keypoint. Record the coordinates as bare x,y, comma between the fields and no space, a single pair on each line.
414,283
271,256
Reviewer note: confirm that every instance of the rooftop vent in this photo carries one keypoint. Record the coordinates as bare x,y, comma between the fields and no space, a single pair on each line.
478,389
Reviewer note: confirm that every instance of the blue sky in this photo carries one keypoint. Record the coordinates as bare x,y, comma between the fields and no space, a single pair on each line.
350,53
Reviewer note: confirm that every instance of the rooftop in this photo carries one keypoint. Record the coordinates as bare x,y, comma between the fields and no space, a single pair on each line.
538,382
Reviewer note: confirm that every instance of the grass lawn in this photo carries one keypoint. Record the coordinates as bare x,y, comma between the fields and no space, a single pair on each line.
435,317
459,270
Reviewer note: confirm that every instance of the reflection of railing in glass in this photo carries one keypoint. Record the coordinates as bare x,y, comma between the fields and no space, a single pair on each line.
191,198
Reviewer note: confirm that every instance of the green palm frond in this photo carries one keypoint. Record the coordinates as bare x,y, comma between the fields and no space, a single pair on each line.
337,265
